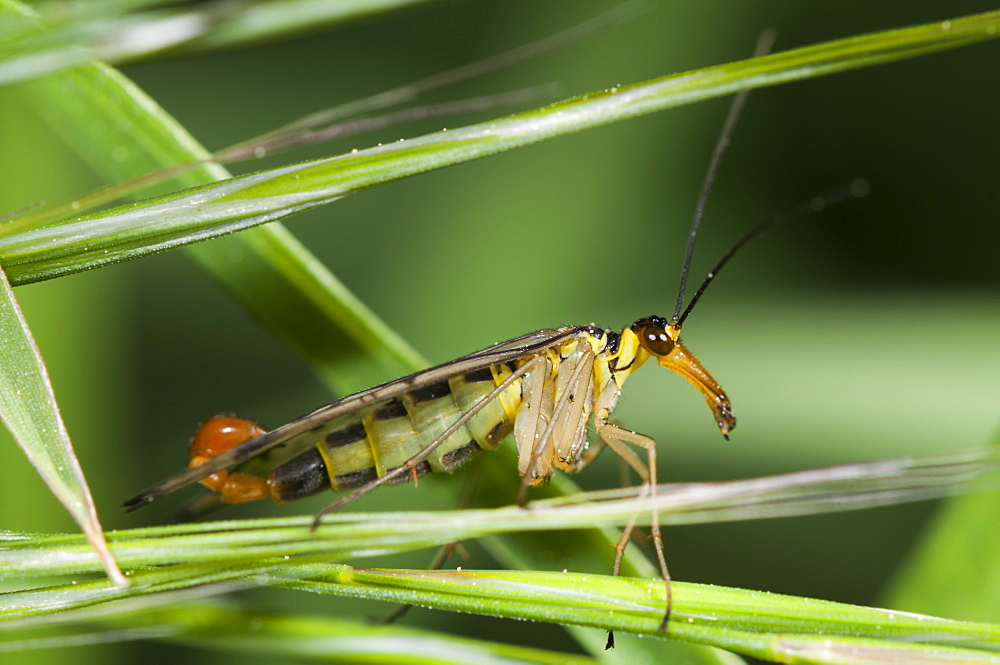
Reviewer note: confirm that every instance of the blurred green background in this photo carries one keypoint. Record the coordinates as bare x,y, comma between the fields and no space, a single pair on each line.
868,331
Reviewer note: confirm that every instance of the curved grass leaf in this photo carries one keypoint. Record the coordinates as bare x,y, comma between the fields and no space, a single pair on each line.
184,217
28,408
758,624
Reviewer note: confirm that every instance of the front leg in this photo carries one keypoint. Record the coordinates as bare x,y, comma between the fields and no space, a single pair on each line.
619,439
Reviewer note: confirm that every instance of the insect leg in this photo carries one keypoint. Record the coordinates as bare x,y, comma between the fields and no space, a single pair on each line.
411,463
530,417
577,463
617,438
563,420
587,457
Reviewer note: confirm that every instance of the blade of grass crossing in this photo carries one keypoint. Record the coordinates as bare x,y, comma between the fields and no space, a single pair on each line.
28,409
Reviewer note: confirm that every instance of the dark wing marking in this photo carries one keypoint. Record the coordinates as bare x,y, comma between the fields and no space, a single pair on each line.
519,347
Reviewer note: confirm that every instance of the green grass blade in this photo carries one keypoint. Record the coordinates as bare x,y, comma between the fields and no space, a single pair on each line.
757,624
177,219
28,408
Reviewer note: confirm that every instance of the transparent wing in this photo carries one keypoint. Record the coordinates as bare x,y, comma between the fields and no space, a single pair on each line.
513,349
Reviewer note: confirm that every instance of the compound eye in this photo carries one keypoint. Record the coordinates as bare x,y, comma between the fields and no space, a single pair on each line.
656,340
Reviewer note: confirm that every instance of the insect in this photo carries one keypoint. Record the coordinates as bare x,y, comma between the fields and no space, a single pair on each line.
543,387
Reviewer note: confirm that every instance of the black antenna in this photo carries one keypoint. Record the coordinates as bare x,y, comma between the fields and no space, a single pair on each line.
855,189
764,44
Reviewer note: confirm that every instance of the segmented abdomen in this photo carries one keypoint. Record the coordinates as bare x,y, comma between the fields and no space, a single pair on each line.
358,453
